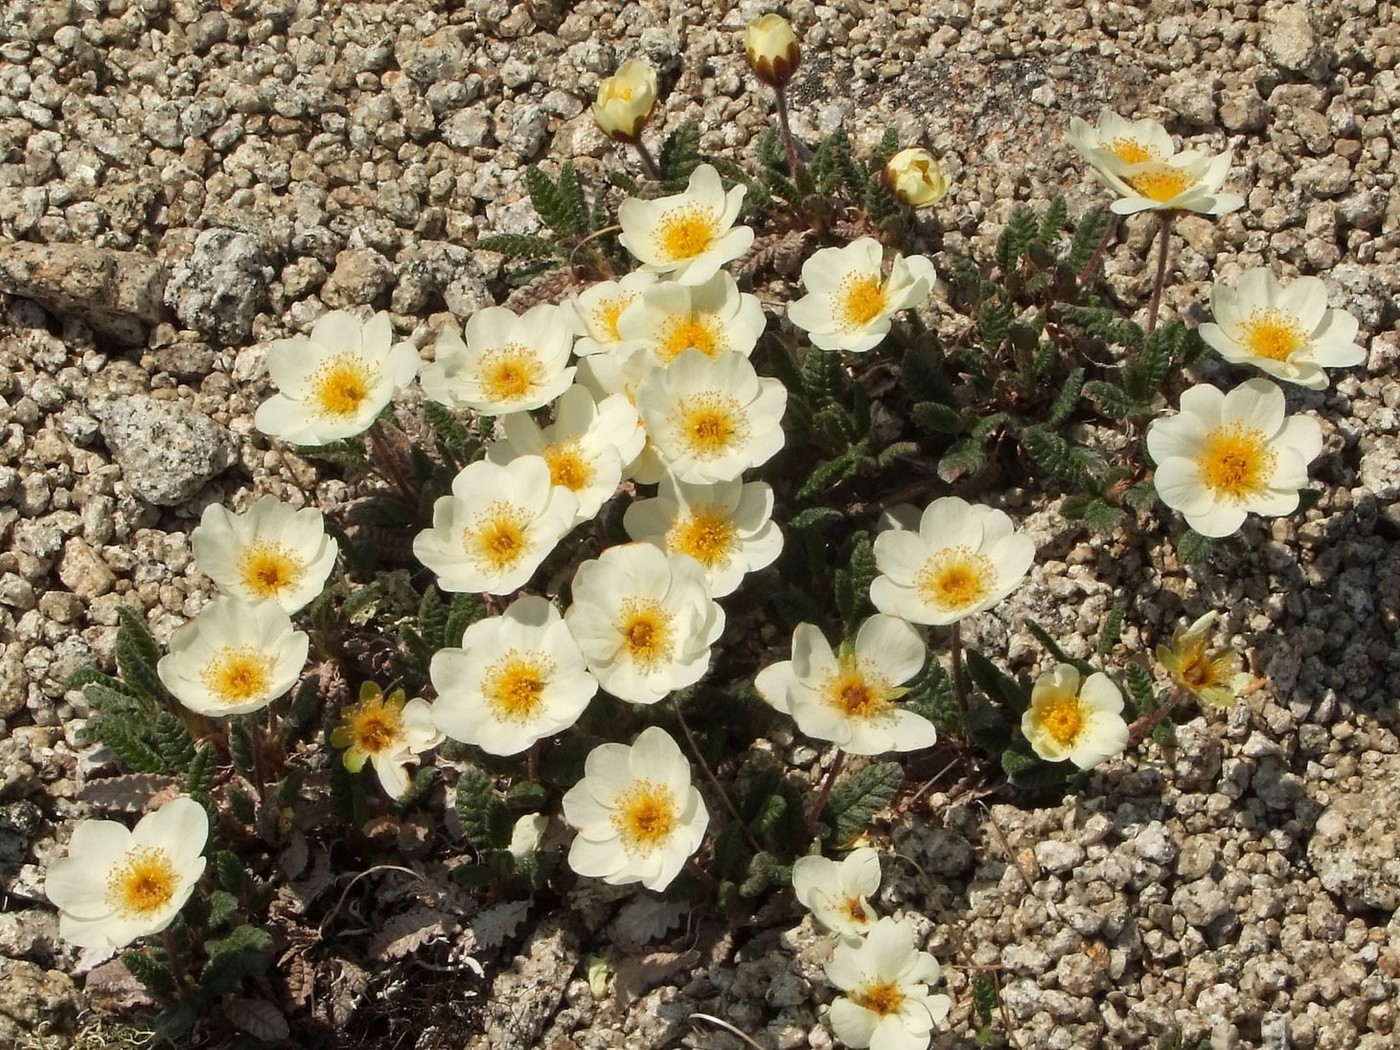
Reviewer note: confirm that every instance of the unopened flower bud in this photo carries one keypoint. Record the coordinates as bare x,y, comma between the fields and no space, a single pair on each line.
772,50
625,101
915,178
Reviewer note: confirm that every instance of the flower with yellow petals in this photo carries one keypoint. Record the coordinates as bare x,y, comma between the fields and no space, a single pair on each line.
496,527
1217,677
116,885
914,177
771,48
849,696
389,732
235,657
727,527
1285,330
507,363
645,621
625,101
637,814
1225,455
962,559
517,678
1067,719
272,551
690,235
838,892
333,383
887,1004
850,302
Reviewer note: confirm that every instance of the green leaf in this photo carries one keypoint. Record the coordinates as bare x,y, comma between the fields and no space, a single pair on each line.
994,322
938,418
1014,240
1048,451
246,952
984,997
1053,221
199,774
135,753
965,458
996,684
286,790
680,153
1053,647
1195,549
824,475
922,373
422,780
173,743
1067,398
857,798
466,609
519,246
116,703
152,973
1140,496
932,696
1111,630
306,701
432,619
1113,401
526,796
1141,690
222,907
241,804
560,204
137,654
240,748
89,676
452,436
816,518
1087,236
484,817
853,579
233,877
822,378
1102,516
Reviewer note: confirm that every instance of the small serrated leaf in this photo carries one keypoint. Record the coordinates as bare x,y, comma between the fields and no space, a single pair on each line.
857,798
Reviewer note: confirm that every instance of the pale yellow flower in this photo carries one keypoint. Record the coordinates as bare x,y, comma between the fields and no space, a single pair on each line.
772,49
915,178
625,101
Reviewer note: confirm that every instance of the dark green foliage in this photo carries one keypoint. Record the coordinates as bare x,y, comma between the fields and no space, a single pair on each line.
135,753
240,748
854,575
1194,549
984,998
422,780
680,154
233,877
485,820
1067,399
559,203
455,443
173,743
199,773
465,610
137,655
518,246
525,796
154,974
241,804
996,684
1141,693
765,870
1094,511
932,695
222,907
858,797
962,460
1053,648
1111,630
306,701
246,952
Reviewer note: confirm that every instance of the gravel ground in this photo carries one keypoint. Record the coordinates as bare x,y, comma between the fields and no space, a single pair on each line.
180,182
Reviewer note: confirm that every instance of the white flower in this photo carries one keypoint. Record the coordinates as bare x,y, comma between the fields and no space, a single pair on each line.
1285,330
273,551
714,318
526,834
388,731
689,235
586,446
711,420
887,1005
517,678
848,697
234,657
644,620
117,885
508,363
334,383
1116,144
963,559
1224,455
637,814
849,301
497,526
1070,720
1189,182
597,309
838,892
727,527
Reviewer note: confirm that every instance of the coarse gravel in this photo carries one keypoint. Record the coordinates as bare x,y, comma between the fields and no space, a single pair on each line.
183,181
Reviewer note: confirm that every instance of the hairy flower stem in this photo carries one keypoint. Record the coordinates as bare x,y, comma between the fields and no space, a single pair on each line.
1092,266
1161,281
388,460
1148,722
257,743
648,161
714,781
175,961
814,815
959,682
780,101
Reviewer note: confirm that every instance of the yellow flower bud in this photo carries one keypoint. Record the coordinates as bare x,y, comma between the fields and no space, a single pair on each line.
915,177
772,49
625,101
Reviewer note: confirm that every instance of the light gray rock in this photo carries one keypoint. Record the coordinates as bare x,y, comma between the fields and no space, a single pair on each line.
524,997
167,450
118,294
1355,846
221,285
1291,40
31,996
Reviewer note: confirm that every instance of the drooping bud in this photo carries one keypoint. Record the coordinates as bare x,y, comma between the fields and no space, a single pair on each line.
625,101
772,50
915,178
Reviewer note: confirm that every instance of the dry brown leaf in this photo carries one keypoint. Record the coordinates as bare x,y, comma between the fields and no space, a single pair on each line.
258,1017
405,934
111,987
300,976
132,793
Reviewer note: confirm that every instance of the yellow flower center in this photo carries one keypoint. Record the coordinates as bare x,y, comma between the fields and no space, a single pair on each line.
882,999
375,725
646,631
1162,184
510,372
708,535
266,568
686,332
956,578
647,815
1197,671
685,232
860,300
499,537
856,693
711,424
567,467
1273,334
341,385
606,313
143,884
237,674
1063,719
514,685
854,910
1131,151
1237,462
